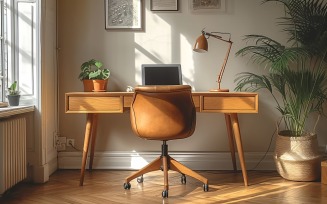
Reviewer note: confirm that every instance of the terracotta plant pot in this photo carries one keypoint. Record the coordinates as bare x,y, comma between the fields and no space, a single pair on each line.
88,85
297,158
100,85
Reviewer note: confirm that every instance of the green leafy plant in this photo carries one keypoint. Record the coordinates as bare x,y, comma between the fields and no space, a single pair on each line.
92,69
296,71
12,90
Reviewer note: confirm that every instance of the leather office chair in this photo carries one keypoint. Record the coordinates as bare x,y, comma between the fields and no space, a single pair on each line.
164,113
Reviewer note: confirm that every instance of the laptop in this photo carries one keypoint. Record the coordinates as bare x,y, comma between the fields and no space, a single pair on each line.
161,74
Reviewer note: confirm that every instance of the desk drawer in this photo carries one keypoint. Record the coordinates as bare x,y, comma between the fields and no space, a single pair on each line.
85,104
229,104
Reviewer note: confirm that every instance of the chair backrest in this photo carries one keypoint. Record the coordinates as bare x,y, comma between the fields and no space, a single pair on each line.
163,112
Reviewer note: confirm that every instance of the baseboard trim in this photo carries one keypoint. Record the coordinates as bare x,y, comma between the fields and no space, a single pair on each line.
53,165
193,160
41,173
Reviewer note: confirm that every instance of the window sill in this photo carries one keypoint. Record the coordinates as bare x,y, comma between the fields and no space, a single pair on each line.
15,110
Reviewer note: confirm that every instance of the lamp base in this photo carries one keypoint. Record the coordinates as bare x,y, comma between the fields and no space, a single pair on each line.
219,90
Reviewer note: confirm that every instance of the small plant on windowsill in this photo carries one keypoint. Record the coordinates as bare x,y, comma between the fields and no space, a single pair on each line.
13,94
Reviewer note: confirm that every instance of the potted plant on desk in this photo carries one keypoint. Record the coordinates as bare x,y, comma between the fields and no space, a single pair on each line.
296,79
94,76
13,94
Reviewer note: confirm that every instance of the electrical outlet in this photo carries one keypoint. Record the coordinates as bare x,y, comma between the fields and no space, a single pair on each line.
70,142
55,138
61,143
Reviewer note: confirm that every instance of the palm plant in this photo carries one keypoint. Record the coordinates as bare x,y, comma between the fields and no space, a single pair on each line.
296,71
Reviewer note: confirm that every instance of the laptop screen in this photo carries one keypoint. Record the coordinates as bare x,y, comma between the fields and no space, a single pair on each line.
161,74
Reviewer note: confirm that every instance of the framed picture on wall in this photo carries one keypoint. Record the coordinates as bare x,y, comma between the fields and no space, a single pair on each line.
125,15
164,5
207,5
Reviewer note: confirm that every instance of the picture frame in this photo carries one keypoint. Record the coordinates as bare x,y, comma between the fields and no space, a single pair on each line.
127,15
164,5
205,6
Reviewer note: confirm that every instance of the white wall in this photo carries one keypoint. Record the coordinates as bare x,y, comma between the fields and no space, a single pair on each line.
49,84
168,38
41,126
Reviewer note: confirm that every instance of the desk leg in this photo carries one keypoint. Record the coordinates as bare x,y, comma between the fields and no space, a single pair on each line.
238,140
93,135
88,128
231,139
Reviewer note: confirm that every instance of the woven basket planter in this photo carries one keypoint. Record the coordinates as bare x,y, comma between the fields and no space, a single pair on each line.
297,158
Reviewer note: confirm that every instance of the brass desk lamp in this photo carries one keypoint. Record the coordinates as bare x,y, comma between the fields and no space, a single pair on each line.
201,45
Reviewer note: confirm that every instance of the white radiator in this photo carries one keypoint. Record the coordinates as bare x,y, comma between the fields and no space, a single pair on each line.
12,152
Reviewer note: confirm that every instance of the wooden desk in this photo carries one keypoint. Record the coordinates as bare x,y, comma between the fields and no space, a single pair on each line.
208,102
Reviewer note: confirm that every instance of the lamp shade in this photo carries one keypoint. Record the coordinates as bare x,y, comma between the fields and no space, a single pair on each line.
201,44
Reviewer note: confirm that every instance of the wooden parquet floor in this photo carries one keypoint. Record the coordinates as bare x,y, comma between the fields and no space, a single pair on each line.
104,186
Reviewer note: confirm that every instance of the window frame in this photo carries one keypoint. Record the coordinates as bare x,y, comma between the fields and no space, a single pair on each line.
12,49
2,38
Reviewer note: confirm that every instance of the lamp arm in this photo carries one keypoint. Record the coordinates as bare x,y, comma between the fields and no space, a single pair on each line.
211,35
217,36
220,76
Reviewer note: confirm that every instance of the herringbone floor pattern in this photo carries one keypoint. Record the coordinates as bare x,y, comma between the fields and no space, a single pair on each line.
104,186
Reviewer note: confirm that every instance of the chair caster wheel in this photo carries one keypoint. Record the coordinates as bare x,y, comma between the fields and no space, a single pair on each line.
206,187
183,179
165,194
139,179
127,186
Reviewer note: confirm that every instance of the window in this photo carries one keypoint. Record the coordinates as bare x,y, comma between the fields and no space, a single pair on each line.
2,71
19,48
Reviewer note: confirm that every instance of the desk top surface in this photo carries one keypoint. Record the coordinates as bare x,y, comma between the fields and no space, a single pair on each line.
108,93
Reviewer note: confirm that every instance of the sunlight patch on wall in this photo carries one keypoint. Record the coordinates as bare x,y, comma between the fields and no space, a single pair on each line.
186,53
153,46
